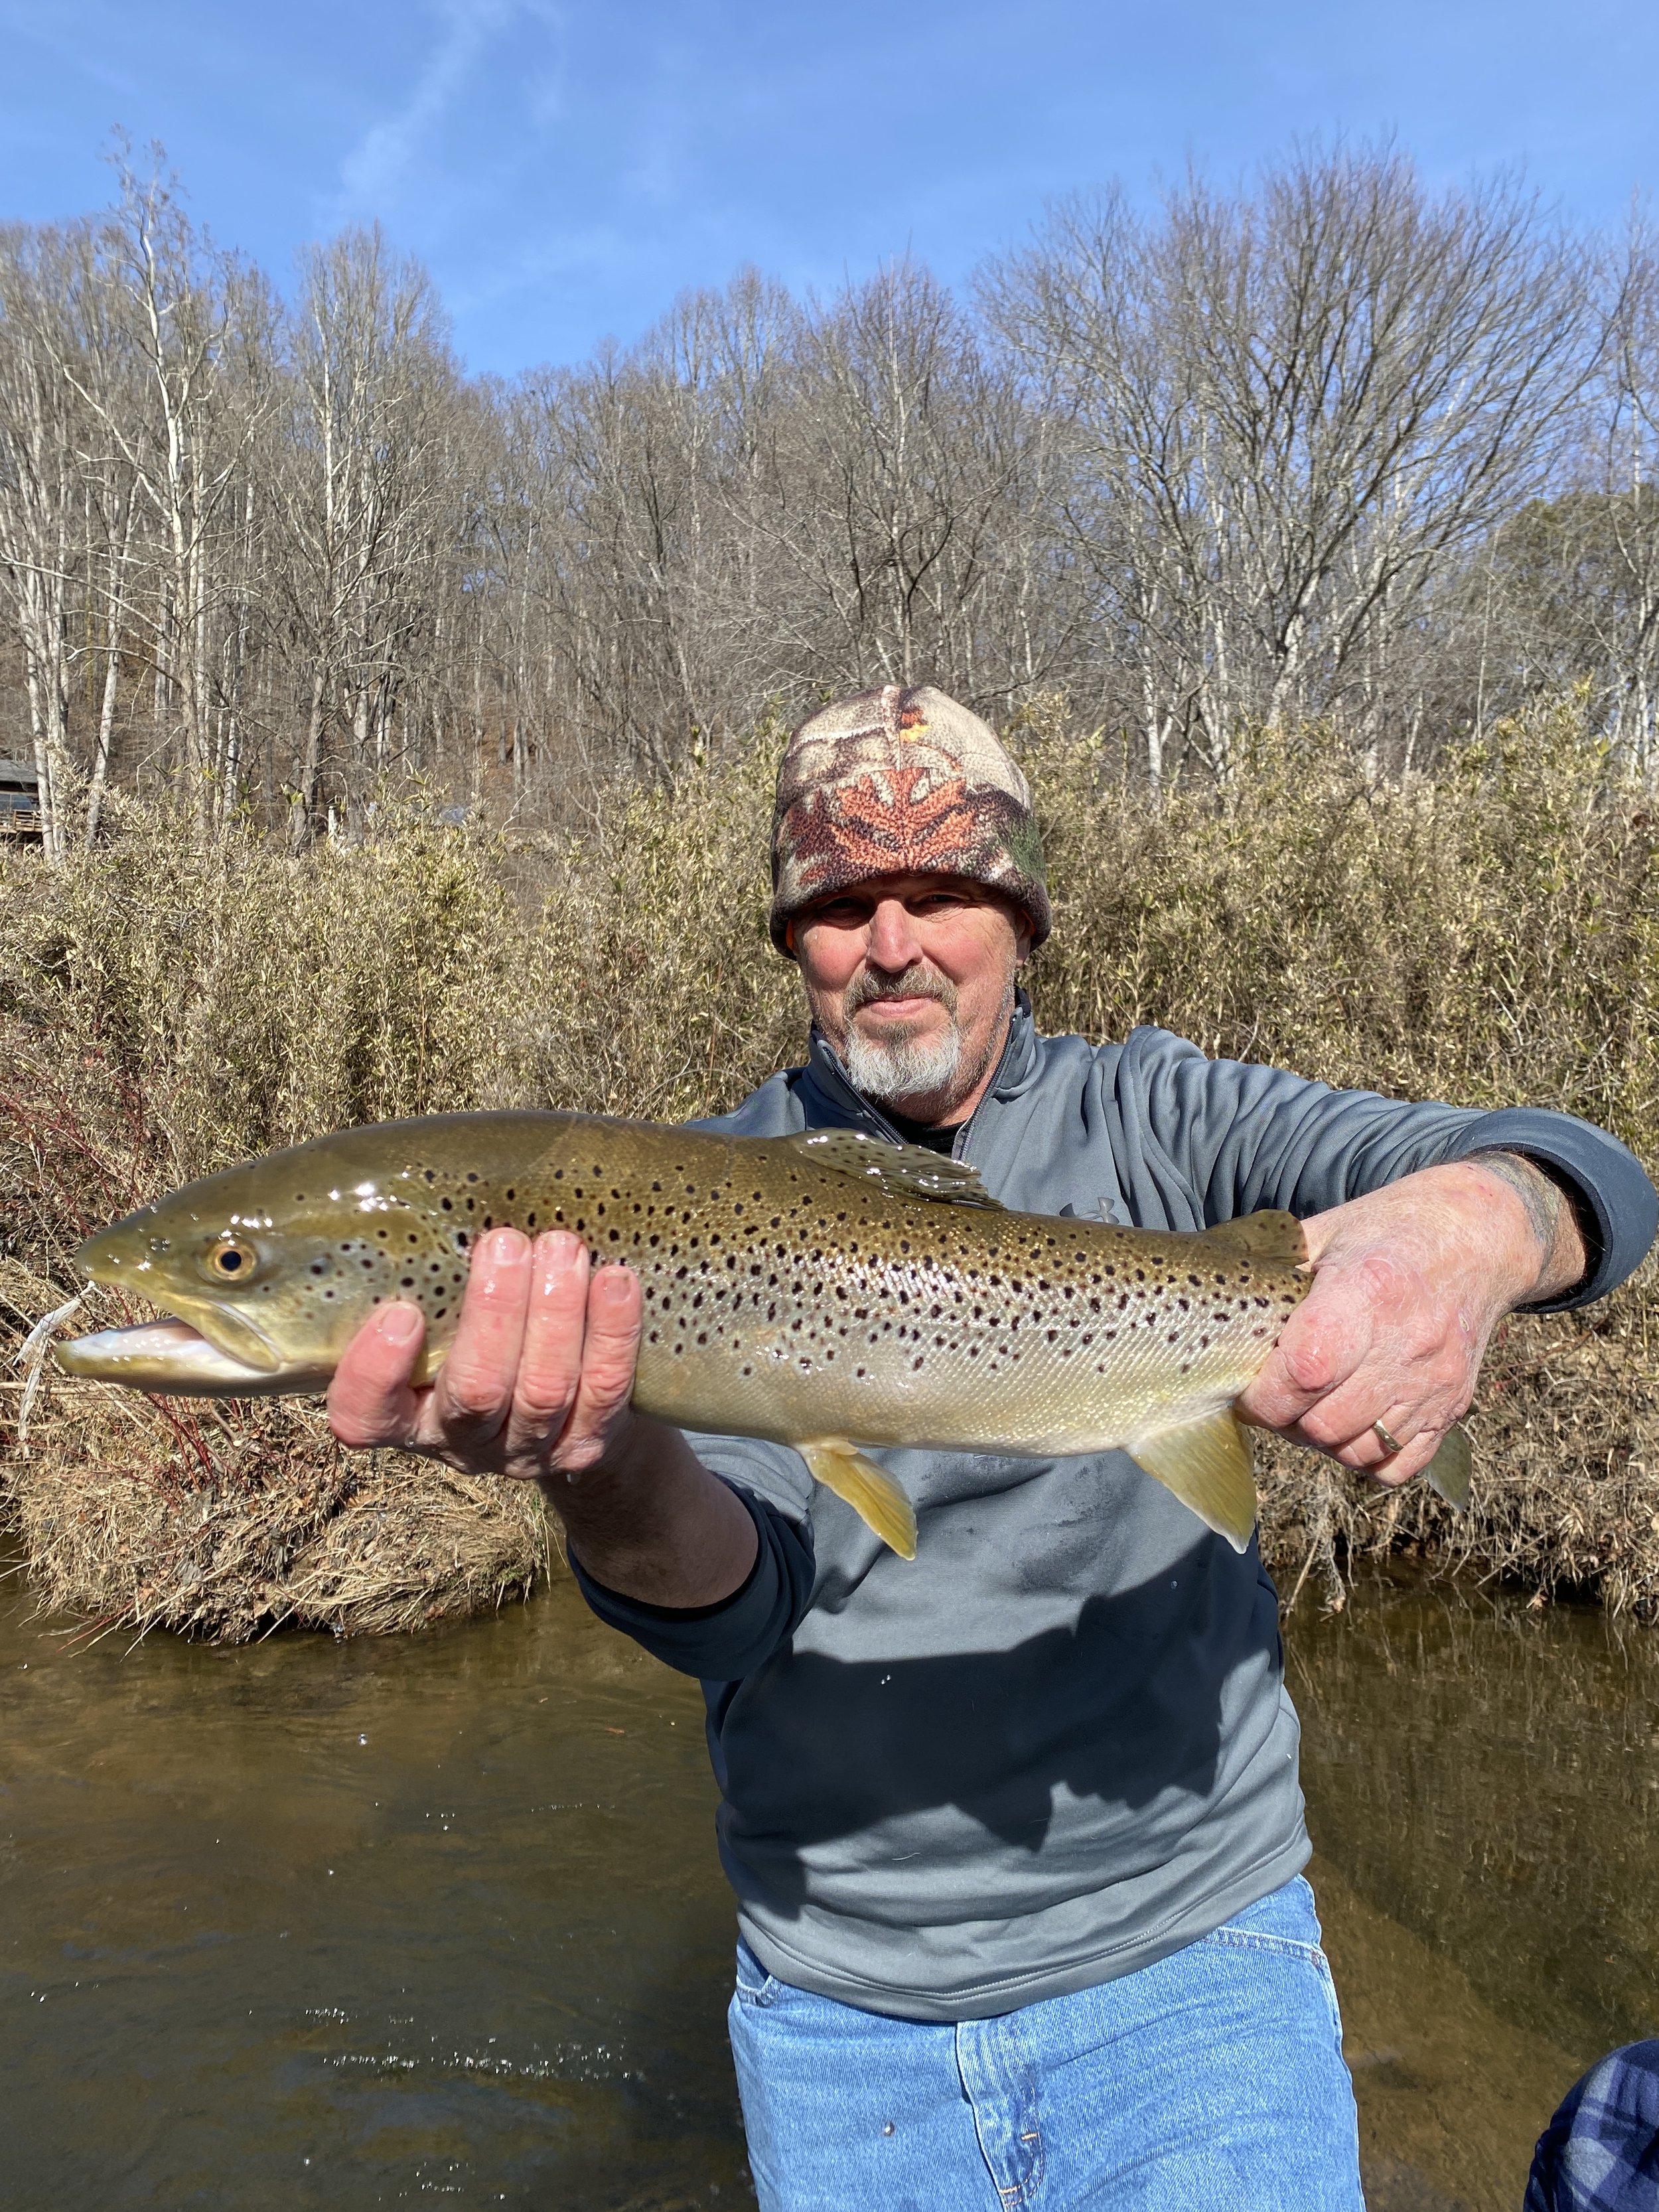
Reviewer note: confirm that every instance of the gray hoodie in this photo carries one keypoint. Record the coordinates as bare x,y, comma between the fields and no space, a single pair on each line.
1057,1745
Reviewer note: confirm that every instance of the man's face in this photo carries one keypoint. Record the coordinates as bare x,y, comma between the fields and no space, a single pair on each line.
911,978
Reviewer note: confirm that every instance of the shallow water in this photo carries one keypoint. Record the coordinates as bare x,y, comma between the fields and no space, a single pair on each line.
365,1923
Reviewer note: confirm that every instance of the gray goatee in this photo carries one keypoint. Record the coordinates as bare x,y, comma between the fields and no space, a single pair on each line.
900,1065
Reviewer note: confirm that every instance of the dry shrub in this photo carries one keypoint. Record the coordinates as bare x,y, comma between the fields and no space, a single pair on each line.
225,1520
1486,936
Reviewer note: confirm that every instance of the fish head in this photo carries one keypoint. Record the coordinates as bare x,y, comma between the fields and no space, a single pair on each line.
271,1266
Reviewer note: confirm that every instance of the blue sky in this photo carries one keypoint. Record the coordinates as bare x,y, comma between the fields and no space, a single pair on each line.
565,168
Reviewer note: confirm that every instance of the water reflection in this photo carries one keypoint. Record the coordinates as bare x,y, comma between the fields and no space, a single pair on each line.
1479,1782
365,1923
362,1924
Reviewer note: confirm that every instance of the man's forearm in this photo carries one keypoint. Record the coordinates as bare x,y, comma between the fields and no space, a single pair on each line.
1563,1257
651,1523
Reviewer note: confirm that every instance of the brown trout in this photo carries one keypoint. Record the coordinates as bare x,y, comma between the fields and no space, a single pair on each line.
827,1290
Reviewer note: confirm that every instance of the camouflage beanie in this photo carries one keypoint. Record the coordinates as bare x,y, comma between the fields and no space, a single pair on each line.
900,782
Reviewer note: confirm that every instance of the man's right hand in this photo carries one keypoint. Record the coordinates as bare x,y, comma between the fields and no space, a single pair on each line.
537,1386
536,1381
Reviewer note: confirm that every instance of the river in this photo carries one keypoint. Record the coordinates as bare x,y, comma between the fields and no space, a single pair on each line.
311,1924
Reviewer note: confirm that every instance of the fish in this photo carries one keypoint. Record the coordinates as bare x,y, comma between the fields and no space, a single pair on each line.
829,1291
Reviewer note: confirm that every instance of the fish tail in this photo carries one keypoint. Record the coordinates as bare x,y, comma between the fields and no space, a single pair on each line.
1448,1471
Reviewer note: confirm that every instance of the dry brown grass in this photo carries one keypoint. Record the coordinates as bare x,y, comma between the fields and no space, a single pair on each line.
1487,936
225,1521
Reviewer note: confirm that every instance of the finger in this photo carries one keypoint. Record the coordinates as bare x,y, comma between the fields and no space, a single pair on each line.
1407,1393
370,1401
1319,1349
1419,1429
549,1365
1420,1439
610,1351
473,1393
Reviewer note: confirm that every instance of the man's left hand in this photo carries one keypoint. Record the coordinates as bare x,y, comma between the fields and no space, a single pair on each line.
1409,1282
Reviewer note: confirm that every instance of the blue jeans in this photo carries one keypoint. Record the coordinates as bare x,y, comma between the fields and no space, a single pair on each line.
1212,2082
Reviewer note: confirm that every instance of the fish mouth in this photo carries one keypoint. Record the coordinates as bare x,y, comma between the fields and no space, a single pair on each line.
104,1259
171,1357
232,1334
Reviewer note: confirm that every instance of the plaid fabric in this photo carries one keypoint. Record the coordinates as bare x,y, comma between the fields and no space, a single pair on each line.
900,782
1601,2152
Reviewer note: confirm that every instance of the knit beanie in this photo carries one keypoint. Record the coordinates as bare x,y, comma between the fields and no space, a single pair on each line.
898,782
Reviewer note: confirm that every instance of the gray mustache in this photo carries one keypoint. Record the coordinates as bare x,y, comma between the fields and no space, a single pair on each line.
916,983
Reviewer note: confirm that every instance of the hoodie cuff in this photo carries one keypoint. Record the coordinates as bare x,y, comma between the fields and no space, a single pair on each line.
1618,1207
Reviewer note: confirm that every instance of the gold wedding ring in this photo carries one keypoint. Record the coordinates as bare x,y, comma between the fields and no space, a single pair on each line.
1388,1442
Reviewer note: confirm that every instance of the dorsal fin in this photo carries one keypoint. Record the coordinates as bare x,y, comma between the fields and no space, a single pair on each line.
902,1170
1271,1235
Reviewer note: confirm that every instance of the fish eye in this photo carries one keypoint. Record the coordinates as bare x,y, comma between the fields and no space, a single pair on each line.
232,1260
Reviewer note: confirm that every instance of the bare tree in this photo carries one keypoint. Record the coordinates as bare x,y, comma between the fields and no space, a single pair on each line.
1332,446
197,327
39,499
361,482
1294,410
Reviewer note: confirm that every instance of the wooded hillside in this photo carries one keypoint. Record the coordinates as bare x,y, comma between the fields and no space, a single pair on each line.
1333,446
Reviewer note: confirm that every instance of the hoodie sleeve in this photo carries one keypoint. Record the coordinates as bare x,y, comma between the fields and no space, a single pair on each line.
1246,1137
724,1641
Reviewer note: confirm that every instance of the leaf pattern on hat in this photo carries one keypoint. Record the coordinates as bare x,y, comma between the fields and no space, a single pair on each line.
897,780
858,831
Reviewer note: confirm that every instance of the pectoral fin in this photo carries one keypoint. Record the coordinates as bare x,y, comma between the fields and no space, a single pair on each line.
1448,1471
1207,1465
868,1489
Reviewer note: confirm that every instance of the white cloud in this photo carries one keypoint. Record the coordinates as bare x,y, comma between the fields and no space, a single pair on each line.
377,164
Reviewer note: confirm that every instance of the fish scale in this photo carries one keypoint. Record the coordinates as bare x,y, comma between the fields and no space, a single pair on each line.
826,1290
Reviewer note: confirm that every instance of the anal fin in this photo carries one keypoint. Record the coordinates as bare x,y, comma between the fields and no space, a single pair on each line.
1448,1471
868,1489
1207,1466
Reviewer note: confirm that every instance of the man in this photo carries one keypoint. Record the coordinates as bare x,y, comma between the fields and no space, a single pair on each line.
1015,1829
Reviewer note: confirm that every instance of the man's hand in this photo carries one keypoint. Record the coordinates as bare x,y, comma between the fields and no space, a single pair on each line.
538,1380
1408,1283
537,1386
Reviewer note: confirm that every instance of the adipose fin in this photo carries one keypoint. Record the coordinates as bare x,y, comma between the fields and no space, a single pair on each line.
1272,1235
